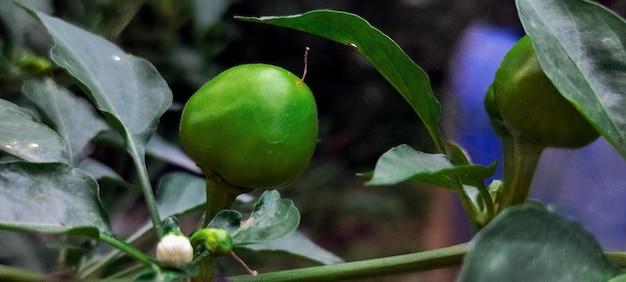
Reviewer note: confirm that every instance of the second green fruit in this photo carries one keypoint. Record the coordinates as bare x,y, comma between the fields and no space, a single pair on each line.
531,107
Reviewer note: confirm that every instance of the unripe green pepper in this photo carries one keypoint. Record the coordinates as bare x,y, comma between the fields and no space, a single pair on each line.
254,125
531,107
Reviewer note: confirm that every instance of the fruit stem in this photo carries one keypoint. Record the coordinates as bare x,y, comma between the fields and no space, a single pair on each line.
520,161
220,195
306,67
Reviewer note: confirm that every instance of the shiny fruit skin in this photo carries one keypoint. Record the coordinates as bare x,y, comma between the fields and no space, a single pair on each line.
531,106
254,125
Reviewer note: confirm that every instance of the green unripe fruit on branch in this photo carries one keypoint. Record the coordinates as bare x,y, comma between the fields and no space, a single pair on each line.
254,125
531,107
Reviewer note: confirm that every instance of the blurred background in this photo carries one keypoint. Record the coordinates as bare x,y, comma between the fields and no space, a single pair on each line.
458,43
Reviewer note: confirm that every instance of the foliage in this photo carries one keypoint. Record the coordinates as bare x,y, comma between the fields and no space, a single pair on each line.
86,90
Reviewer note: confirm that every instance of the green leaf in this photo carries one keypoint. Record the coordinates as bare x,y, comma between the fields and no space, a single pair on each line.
24,136
272,218
296,244
380,50
50,198
73,117
403,163
580,46
531,243
129,90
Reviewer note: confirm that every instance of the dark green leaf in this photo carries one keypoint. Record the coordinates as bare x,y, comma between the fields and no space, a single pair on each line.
581,47
531,243
50,198
129,90
24,136
295,243
380,50
73,117
272,218
403,163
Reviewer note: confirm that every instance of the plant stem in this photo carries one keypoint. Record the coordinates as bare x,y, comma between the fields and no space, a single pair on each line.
520,161
440,258
129,250
617,258
146,188
94,266
8,273
220,195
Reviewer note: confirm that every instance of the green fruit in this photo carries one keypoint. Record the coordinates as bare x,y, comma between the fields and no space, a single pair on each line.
255,125
531,107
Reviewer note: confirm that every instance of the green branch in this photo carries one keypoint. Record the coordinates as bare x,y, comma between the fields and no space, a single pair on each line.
8,273
440,258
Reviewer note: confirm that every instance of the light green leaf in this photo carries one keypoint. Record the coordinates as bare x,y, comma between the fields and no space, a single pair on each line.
24,136
272,218
404,163
50,198
73,117
380,50
581,47
531,243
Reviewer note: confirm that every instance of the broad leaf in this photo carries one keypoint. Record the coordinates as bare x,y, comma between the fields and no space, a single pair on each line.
531,243
73,117
129,90
50,198
295,243
581,47
380,50
272,218
24,136
403,163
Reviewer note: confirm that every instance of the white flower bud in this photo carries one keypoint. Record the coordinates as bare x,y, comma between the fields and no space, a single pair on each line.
174,251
